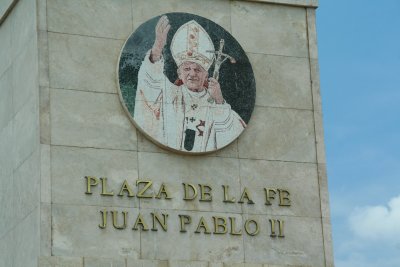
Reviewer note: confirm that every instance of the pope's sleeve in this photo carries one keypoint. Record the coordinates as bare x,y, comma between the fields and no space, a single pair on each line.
227,124
150,91
151,79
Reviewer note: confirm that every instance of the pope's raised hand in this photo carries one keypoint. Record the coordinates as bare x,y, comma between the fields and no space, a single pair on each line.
215,91
162,29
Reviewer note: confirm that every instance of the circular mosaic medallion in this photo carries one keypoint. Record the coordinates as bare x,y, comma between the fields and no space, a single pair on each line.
186,83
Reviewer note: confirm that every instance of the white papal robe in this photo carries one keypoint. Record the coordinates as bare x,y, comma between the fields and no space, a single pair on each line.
179,118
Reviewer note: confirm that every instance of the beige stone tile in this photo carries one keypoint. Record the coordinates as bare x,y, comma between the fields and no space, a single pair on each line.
104,262
190,245
230,151
324,192
76,233
25,75
26,186
7,247
45,175
90,120
27,238
5,45
270,29
6,101
23,21
234,264
242,265
45,229
282,81
319,130
312,33
302,244
81,62
173,263
70,165
143,11
146,145
316,90
44,105
41,15
6,199
7,150
26,131
300,179
101,18
313,3
43,58
328,243
131,262
55,261
173,170
319,138
279,134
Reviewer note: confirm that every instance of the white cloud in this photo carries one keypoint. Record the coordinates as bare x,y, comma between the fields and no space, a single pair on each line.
377,223
373,237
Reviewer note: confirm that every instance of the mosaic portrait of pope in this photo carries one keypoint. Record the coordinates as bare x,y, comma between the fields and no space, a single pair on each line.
190,113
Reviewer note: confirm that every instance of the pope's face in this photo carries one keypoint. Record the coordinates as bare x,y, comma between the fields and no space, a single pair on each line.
193,76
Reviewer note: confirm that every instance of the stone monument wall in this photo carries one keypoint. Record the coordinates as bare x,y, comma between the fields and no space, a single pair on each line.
19,135
87,146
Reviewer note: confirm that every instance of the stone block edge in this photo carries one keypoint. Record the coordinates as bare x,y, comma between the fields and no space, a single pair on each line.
64,261
301,3
4,13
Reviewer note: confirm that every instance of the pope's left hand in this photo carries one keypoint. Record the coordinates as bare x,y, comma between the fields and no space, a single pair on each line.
214,89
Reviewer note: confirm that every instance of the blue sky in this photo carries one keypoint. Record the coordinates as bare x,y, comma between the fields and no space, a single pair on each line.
359,55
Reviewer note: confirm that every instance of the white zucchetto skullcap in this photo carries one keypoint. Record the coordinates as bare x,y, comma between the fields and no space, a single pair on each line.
191,43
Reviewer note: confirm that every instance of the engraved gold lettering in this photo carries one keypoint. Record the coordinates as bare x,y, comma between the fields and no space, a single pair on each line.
147,185
125,187
202,224
115,220
272,223
187,195
227,198
269,195
220,225
103,224
184,220
281,222
104,188
273,227
246,195
163,191
90,181
233,227
140,221
284,197
205,192
161,221
248,229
